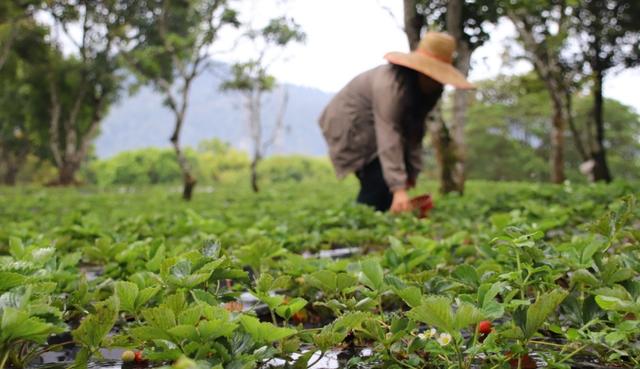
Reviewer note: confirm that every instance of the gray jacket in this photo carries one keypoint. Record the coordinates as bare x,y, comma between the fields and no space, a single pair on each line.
380,113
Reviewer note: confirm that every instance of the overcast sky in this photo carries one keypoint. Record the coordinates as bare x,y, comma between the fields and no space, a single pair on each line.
346,37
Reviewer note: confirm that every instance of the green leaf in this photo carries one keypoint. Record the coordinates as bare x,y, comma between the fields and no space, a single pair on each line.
271,301
211,249
372,274
584,277
8,280
467,315
264,283
127,293
190,316
411,295
303,361
614,338
147,333
467,274
349,321
263,332
160,317
211,330
17,326
334,333
94,328
181,269
155,263
286,311
540,310
616,304
345,281
145,295
183,332
194,280
325,280
435,311
16,248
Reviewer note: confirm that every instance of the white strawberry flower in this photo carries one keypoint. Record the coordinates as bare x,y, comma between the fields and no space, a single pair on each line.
444,339
427,334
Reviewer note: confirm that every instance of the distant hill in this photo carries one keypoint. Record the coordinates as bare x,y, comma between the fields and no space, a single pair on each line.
142,121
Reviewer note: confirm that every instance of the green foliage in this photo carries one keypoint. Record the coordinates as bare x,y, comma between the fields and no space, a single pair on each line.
509,122
173,279
264,332
213,162
94,328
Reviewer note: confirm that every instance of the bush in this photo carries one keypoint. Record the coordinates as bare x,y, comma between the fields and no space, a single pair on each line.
213,162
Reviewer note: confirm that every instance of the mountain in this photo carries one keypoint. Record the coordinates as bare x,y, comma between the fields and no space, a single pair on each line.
141,120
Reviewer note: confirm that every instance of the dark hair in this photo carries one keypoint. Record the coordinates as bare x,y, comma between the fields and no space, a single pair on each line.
416,104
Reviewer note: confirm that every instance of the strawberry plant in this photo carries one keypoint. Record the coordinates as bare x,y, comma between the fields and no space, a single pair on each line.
510,275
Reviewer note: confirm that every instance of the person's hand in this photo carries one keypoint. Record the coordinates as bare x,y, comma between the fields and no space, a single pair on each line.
401,202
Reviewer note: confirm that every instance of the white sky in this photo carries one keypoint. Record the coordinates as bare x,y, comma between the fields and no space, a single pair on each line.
346,37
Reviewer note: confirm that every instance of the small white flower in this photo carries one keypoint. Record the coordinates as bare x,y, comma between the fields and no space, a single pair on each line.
444,339
427,334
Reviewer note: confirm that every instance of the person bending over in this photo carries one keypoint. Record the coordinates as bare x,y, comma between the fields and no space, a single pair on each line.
375,125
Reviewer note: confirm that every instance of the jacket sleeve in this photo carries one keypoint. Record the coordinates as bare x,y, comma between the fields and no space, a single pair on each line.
387,115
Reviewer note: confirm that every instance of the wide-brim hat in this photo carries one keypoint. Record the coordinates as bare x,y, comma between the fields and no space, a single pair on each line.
433,57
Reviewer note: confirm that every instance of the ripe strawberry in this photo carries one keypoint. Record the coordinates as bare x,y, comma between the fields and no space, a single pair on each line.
138,357
484,327
300,317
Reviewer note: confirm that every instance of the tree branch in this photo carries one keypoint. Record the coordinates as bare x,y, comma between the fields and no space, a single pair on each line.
279,122
6,47
54,124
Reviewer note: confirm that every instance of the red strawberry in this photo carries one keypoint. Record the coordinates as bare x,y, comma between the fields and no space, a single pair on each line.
484,327
526,361
138,357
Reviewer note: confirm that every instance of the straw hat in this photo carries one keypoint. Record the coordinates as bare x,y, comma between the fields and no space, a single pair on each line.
433,57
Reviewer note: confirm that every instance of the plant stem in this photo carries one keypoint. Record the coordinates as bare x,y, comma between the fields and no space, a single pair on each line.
573,353
458,353
4,360
547,343
401,363
309,366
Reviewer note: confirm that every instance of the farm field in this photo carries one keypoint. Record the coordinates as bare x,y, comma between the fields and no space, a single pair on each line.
298,276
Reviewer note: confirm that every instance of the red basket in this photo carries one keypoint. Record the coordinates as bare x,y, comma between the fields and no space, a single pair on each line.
421,205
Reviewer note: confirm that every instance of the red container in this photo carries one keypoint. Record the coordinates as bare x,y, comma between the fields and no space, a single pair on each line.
421,205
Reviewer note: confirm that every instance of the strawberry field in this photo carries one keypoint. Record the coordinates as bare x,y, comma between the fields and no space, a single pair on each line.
298,276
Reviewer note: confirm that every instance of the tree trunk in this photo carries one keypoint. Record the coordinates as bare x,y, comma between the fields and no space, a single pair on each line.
254,175
67,173
453,149
189,181
599,155
446,153
577,139
459,116
13,163
547,65
11,173
556,158
413,23
189,184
